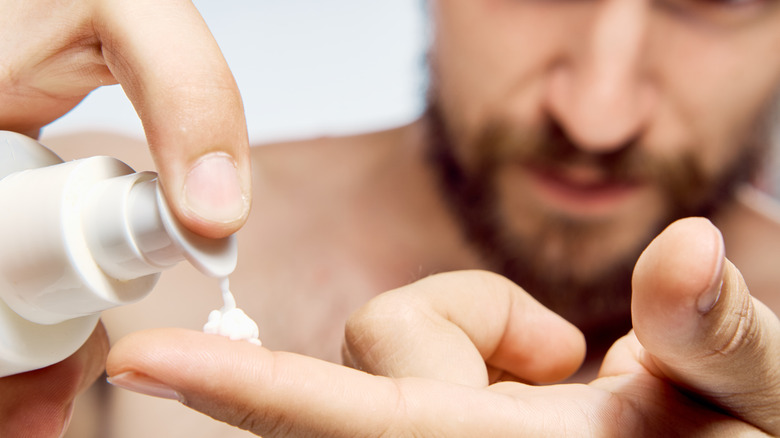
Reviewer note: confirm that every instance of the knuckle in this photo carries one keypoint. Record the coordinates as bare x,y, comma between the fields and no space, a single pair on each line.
376,333
739,331
366,329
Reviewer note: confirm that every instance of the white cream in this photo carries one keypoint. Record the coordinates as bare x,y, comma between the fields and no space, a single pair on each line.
230,321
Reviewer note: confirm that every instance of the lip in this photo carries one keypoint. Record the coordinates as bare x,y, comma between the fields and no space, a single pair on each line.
580,190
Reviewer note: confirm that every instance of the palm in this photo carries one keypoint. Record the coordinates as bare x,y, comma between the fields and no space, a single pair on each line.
628,398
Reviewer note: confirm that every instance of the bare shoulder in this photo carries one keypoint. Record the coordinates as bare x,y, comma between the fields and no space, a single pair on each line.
751,230
341,160
312,185
324,192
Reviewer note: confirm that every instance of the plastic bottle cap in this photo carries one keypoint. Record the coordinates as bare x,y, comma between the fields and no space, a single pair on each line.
132,232
213,257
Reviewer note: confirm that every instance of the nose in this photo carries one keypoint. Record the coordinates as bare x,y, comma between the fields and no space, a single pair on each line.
599,92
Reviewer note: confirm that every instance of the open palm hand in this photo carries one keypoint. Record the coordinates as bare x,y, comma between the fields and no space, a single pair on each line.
433,358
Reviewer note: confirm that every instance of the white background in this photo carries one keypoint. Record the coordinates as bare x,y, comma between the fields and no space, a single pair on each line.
304,67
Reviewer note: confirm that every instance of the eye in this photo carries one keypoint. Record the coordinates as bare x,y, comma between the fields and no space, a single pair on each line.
726,13
728,2
725,3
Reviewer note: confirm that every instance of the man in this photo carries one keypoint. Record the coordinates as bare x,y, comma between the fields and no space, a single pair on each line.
561,137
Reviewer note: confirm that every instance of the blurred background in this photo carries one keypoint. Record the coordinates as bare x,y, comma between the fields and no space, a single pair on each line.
304,67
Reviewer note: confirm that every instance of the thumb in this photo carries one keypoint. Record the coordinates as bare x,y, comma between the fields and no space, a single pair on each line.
694,314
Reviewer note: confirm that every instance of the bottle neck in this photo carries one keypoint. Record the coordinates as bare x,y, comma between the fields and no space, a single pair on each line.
124,229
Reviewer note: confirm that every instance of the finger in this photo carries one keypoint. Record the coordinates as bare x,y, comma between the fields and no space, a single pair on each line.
179,83
39,403
271,394
449,326
693,313
284,394
281,394
51,61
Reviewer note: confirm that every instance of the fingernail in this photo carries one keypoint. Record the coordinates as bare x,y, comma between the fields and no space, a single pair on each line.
709,297
144,384
212,189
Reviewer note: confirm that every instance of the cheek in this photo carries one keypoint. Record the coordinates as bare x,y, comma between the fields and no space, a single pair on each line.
490,58
716,89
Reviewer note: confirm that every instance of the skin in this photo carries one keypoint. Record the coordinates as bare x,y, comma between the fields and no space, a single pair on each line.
285,327
54,54
613,75
356,234
426,391
60,51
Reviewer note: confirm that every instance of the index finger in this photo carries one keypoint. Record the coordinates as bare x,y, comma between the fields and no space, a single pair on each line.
268,393
171,68
286,394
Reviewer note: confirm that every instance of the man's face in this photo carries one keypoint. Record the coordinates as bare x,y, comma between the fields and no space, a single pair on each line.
588,125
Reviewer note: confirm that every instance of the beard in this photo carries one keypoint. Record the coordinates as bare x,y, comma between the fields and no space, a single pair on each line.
557,258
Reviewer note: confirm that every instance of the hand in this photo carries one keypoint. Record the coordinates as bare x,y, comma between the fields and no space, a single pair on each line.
698,371
39,403
55,52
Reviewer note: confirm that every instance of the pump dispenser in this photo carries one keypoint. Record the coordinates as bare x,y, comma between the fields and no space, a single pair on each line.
77,238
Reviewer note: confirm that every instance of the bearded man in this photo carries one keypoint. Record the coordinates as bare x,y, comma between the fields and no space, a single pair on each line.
560,139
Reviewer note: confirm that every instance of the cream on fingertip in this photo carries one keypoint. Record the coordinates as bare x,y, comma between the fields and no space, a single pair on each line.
230,321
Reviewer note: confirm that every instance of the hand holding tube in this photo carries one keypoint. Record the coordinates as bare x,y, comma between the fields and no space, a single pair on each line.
161,52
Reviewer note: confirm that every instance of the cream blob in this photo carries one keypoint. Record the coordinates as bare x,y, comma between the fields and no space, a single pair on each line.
230,321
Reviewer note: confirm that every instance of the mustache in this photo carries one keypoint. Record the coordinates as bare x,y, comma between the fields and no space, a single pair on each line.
547,146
